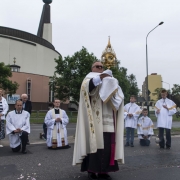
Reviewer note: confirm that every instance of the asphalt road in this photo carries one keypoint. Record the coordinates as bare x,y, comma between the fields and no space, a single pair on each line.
141,163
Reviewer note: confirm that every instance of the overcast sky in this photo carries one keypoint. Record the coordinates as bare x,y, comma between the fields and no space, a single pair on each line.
88,23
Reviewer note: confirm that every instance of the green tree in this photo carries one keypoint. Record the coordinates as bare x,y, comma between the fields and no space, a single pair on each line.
70,73
6,84
176,94
133,85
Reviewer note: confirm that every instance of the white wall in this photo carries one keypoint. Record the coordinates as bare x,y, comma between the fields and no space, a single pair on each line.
32,59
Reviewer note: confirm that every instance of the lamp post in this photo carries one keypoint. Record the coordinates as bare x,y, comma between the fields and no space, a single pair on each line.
169,88
147,88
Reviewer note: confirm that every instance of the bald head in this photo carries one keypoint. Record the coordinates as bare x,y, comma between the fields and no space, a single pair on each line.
97,67
24,97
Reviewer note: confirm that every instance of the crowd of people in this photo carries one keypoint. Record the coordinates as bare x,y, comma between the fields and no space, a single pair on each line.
102,116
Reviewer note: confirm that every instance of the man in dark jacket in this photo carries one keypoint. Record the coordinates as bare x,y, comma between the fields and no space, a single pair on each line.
27,106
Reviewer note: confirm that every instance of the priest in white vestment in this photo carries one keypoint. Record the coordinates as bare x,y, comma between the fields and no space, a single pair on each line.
164,111
145,128
100,124
131,114
56,120
18,128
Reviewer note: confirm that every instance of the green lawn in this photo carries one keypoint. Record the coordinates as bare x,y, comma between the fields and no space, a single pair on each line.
38,117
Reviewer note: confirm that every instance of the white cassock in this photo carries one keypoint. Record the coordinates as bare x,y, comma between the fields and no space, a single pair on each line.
15,121
145,126
95,116
164,118
56,129
131,108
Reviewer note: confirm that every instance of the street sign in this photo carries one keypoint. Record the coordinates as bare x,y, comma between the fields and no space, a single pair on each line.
11,99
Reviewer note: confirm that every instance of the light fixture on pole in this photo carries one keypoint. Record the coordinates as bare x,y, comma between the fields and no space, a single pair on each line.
147,88
168,84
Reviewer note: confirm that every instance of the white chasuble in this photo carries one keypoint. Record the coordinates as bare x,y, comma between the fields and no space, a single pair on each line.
164,118
96,117
15,121
56,132
131,108
145,127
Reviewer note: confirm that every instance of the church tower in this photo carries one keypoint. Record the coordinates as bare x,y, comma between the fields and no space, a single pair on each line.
108,57
45,26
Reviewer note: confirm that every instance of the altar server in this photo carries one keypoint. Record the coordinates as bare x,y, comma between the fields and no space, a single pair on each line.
18,127
165,109
100,125
56,120
131,114
145,128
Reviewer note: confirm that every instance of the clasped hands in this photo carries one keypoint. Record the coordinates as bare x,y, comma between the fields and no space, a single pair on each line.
58,120
130,115
18,130
164,106
145,137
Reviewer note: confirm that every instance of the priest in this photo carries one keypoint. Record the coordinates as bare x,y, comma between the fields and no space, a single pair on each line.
165,109
56,120
100,125
18,127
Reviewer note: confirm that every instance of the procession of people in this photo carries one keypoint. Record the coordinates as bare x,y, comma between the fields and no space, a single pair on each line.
101,120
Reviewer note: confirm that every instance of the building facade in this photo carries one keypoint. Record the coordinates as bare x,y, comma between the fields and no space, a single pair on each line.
33,57
154,82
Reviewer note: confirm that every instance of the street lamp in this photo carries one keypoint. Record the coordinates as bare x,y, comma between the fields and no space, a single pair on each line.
168,84
147,88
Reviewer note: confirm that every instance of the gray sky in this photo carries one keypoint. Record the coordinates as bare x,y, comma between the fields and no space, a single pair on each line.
88,23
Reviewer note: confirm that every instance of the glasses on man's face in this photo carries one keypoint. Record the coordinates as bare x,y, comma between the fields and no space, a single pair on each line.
98,67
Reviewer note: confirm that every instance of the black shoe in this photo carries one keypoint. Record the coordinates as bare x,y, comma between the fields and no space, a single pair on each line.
28,143
104,176
92,176
167,147
40,135
161,147
127,144
132,145
24,152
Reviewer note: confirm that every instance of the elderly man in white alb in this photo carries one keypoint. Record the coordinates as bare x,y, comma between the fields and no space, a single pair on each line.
100,124
18,127
56,120
3,111
165,109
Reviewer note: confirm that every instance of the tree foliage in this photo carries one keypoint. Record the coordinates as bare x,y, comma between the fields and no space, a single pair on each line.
6,84
176,94
71,71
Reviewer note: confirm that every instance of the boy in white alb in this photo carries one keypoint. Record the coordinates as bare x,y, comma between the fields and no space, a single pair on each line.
131,114
165,109
145,128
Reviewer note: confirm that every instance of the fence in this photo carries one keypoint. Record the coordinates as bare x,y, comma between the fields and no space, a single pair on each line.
38,116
